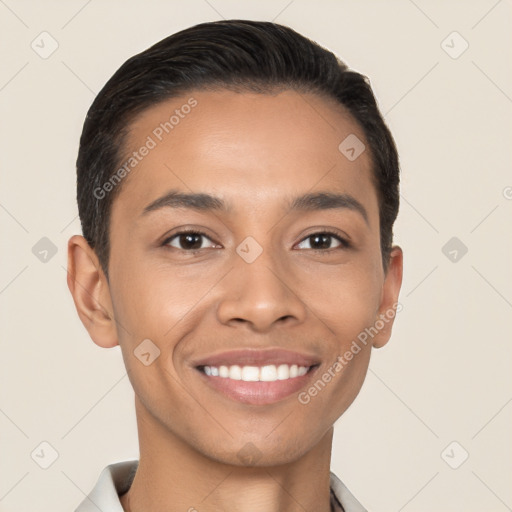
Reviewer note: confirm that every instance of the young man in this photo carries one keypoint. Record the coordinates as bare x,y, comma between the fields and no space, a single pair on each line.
237,188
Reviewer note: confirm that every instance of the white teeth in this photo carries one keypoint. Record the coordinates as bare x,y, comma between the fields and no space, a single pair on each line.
302,371
250,373
269,373
235,372
283,372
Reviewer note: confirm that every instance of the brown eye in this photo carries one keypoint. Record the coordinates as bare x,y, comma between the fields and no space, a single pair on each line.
187,240
323,241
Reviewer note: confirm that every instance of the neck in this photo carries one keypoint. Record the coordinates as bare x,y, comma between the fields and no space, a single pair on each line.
173,475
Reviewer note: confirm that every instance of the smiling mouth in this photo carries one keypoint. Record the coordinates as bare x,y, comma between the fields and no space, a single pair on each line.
256,376
257,385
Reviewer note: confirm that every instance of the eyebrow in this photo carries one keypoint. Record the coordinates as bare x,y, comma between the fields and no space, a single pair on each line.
314,201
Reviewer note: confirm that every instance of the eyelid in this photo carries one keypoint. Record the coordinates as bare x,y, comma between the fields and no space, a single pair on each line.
330,230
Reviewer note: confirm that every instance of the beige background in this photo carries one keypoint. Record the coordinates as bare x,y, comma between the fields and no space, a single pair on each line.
446,374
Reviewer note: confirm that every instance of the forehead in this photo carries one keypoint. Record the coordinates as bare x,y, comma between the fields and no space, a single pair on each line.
244,147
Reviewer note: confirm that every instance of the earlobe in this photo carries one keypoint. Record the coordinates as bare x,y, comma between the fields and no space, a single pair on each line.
90,290
389,305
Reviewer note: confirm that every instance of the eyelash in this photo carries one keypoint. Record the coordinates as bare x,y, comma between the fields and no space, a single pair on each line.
345,244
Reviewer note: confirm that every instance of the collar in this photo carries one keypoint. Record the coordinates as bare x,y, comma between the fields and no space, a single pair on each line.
115,479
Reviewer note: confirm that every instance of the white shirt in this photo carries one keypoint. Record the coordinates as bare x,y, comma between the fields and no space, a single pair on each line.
116,479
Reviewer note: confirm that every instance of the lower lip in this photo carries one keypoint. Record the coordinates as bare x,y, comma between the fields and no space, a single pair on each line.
258,392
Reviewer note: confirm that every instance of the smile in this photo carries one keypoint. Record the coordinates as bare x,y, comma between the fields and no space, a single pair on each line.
257,385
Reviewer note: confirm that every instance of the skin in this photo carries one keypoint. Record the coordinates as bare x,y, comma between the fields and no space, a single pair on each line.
254,151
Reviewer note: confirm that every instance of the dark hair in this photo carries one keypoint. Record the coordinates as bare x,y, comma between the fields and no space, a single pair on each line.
239,55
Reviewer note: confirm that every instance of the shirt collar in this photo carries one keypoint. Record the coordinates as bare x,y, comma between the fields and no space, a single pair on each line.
116,479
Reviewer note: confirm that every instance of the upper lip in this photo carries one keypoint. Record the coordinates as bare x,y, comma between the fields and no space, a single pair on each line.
258,358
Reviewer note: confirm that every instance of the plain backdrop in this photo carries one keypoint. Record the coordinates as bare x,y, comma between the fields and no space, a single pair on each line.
439,392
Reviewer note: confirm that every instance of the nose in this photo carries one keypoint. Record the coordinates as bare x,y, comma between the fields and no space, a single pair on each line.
260,294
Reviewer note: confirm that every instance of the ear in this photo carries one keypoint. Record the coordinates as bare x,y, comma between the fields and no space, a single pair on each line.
389,305
90,290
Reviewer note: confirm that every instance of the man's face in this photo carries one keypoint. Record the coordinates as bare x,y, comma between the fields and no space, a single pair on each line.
254,279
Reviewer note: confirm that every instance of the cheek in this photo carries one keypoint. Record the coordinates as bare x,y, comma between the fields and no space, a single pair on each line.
148,307
345,299
150,303
163,307
346,302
